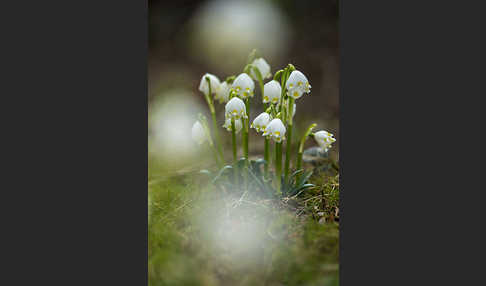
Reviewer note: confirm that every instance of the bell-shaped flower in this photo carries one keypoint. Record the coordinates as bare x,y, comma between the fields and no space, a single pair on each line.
213,80
272,92
297,84
324,139
235,108
263,67
238,125
244,86
276,130
261,122
223,92
198,133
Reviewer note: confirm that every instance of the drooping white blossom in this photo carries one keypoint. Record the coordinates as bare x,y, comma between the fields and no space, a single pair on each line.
276,130
263,67
198,133
297,84
223,92
272,92
261,122
214,81
244,86
324,139
235,108
238,125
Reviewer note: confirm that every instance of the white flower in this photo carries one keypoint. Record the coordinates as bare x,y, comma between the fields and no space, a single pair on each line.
276,130
297,84
244,86
235,108
222,94
198,133
263,67
238,125
261,122
203,85
324,139
272,92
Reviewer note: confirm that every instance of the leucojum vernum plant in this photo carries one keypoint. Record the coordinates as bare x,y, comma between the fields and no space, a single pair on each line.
279,96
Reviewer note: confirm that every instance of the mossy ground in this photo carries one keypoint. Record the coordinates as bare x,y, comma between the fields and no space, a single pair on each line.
200,236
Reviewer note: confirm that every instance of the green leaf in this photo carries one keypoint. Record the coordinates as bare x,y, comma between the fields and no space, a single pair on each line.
220,173
296,173
294,191
206,172
303,179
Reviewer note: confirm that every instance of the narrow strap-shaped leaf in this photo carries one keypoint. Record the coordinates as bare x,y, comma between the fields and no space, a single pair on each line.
220,173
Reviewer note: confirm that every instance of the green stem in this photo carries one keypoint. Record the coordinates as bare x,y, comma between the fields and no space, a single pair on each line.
289,138
283,81
233,140
266,157
216,156
301,148
299,162
278,166
244,137
260,82
210,102
245,128
287,151
216,135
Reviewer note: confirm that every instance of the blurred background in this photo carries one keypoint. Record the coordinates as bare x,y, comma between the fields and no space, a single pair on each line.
188,38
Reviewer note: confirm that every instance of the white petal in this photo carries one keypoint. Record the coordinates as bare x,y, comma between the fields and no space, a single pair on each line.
263,67
244,85
198,133
235,108
214,81
272,92
238,125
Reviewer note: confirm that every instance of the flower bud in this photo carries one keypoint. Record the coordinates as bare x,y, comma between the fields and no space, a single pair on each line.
272,92
203,85
244,86
324,139
263,67
297,84
235,108
222,94
261,122
276,130
198,133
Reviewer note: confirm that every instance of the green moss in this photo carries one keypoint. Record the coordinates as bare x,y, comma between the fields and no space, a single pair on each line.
199,236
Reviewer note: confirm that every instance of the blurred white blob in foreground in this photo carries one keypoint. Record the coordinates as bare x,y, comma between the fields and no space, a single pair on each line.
225,32
235,227
171,117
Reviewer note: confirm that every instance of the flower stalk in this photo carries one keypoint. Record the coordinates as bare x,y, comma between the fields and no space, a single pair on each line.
266,157
210,102
278,167
301,148
246,129
289,137
233,140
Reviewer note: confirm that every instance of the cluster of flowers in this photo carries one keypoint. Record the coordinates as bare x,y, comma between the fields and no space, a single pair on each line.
280,104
